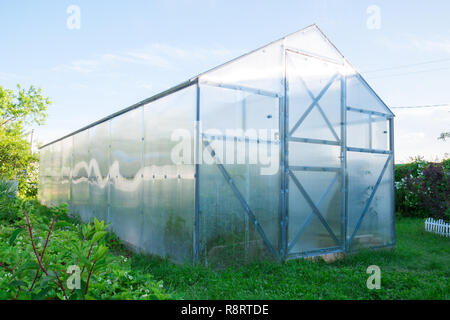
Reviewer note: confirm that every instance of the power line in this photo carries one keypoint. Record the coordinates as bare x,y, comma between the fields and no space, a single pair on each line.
411,72
424,106
408,65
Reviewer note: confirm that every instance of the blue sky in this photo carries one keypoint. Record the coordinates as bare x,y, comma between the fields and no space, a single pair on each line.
126,51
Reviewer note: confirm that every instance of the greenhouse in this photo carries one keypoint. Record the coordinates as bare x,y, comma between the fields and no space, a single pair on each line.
285,152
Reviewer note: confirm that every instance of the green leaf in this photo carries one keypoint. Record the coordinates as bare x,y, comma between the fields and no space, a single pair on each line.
18,283
41,294
100,252
63,224
98,235
14,236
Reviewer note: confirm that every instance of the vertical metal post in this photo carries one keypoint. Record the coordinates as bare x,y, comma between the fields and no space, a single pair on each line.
141,205
344,175
370,132
391,148
71,175
247,178
90,207
108,206
284,165
196,239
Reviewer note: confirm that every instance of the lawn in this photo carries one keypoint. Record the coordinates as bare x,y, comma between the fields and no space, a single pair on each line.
419,268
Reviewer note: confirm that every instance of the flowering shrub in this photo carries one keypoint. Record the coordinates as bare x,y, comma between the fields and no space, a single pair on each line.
422,189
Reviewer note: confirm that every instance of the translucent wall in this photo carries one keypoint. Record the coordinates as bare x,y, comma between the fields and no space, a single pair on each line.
370,168
285,152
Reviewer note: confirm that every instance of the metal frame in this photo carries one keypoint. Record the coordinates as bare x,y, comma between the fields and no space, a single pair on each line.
241,88
290,169
287,172
284,160
196,240
391,148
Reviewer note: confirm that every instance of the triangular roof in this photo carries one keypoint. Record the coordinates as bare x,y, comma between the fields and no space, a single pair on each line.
308,41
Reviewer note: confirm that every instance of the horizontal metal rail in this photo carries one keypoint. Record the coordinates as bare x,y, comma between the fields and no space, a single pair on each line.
238,138
366,150
375,113
240,88
314,253
315,169
315,141
315,56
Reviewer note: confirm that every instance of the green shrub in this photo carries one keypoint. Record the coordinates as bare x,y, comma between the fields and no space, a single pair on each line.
422,189
43,249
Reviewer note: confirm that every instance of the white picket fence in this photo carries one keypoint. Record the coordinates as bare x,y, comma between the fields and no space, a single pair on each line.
437,226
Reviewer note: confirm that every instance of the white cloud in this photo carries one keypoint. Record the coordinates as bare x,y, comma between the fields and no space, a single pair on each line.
156,55
436,45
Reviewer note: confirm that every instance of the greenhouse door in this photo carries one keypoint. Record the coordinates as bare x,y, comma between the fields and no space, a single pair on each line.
314,156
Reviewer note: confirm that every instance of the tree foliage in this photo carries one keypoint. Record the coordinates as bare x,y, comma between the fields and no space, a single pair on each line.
444,136
19,109
23,107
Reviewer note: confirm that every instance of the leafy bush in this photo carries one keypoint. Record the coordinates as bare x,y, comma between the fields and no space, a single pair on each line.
43,253
16,161
18,109
7,189
423,189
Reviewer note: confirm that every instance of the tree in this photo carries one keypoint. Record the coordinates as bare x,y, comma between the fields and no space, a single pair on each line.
17,111
23,107
444,135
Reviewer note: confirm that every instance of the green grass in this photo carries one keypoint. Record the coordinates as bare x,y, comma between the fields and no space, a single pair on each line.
419,268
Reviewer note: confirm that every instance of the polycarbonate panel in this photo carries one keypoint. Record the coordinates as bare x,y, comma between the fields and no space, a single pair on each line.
99,165
66,168
376,228
311,40
250,156
56,173
80,175
41,194
169,176
314,155
380,133
262,69
361,96
364,170
126,175
358,130
314,108
44,172
313,80
324,190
